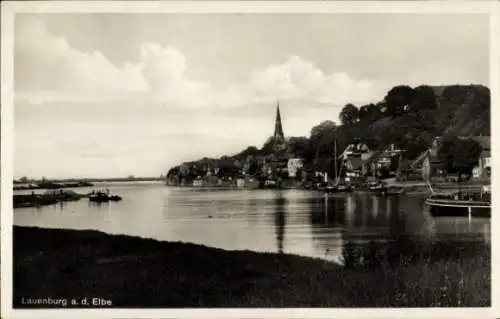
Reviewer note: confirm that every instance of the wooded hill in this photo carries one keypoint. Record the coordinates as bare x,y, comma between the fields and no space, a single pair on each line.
408,117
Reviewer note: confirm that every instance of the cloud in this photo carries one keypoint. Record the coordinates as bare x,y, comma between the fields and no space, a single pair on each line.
164,68
49,69
298,78
48,63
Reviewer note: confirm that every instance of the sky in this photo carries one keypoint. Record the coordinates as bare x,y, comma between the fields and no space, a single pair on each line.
107,95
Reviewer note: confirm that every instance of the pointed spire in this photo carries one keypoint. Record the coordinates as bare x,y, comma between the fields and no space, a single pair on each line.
278,128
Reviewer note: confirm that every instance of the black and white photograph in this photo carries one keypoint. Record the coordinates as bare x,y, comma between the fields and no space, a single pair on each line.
247,157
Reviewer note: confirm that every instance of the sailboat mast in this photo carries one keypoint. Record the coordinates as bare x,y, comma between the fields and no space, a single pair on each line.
335,158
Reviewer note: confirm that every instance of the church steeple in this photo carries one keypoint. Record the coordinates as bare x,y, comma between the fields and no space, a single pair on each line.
278,128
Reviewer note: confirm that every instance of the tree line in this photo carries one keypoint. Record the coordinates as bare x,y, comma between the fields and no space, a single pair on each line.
408,117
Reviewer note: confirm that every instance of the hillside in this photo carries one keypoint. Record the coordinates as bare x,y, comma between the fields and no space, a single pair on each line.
408,117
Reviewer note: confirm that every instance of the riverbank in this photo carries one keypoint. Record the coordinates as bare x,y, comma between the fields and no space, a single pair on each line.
135,272
405,188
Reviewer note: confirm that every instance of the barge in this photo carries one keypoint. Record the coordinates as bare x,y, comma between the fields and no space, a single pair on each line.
459,204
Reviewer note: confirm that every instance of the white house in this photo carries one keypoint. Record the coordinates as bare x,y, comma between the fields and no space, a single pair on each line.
293,165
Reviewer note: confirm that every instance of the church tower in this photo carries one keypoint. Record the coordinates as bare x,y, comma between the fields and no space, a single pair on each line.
278,128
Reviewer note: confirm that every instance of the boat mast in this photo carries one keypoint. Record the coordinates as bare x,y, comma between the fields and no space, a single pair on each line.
340,172
335,158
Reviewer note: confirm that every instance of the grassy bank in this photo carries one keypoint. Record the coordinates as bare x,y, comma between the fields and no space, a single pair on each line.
135,272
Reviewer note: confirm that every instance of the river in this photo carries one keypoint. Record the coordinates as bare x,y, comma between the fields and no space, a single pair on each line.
289,221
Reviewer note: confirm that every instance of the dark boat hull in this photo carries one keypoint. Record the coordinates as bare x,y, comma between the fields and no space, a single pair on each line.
101,199
447,208
375,191
336,189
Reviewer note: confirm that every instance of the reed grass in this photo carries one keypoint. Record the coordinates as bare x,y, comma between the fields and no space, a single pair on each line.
142,273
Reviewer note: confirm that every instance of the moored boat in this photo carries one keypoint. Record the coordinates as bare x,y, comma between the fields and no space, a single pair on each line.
459,204
344,188
373,187
328,189
103,196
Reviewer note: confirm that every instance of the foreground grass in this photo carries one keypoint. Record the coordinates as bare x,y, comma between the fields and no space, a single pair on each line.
135,272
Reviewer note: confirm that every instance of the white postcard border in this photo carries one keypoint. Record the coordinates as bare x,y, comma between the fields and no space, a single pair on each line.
255,7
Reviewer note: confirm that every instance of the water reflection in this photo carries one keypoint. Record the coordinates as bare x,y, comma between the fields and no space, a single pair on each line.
312,224
280,220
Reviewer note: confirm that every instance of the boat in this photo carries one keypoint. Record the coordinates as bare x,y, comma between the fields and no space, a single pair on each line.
377,187
102,196
329,189
342,187
459,204
338,186
374,187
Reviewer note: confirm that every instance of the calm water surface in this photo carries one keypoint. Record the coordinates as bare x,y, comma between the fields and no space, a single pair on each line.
289,221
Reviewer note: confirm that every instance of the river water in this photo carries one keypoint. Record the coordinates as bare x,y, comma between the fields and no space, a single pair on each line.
290,221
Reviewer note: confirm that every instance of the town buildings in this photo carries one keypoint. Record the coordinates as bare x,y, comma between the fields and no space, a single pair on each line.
275,164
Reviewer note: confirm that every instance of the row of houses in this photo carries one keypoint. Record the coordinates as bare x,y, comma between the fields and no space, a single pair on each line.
359,160
431,167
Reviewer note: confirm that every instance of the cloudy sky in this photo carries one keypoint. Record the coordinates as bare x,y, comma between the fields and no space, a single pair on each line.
121,94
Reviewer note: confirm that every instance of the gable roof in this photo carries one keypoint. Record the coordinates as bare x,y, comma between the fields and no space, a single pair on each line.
485,154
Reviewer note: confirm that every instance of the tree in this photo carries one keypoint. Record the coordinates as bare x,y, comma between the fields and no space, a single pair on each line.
397,99
249,151
323,137
300,147
459,155
267,148
370,113
466,155
319,132
424,99
349,114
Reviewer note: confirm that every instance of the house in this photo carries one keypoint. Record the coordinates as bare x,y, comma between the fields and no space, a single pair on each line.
240,182
198,182
428,163
388,155
247,182
355,159
386,158
360,149
432,166
356,166
293,166
483,167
